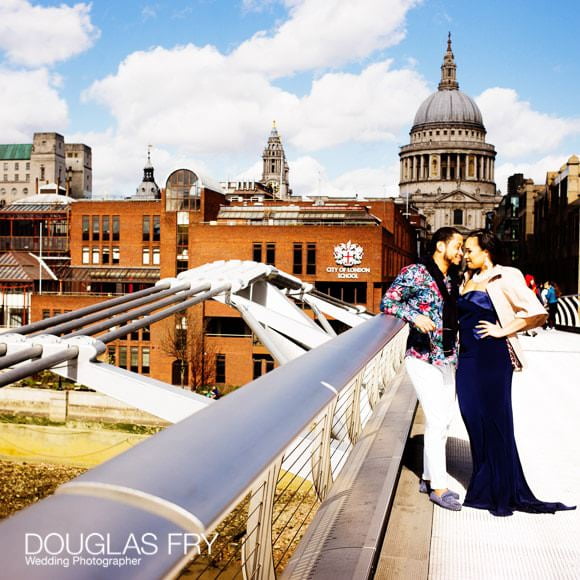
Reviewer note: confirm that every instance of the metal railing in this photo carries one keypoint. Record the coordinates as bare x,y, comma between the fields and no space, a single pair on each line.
251,468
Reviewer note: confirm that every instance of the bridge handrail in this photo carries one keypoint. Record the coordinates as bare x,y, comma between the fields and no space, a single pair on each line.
250,428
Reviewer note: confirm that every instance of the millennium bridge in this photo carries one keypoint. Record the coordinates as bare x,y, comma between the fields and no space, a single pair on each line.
310,471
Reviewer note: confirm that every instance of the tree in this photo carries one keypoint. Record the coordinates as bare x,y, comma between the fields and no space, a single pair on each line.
194,356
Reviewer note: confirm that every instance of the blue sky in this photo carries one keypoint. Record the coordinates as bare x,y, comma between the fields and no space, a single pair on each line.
202,80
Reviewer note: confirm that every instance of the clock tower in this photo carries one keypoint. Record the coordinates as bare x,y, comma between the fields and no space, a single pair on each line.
275,167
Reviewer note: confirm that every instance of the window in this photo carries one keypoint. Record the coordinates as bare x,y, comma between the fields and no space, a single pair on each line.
116,228
42,174
311,258
95,253
16,177
25,191
146,228
85,228
45,314
257,252
297,259
27,179
28,166
106,255
146,258
145,361
263,363
96,228
270,253
112,355
123,357
351,292
105,229
220,368
145,333
86,256
156,256
458,217
116,256
135,335
5,166
156,228
134,359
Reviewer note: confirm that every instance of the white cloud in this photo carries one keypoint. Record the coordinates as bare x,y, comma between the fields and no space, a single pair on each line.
215,105
309,177
215,108
516,129
371,106
198,102
28,103
325,33
36,36
535,170
257,5
370,182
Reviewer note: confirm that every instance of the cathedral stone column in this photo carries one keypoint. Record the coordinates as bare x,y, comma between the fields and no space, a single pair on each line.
447,168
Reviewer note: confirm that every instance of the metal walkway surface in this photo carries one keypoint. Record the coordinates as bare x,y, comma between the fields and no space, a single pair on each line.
473,544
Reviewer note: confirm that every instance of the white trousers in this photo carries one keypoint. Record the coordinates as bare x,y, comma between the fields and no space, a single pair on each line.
435,388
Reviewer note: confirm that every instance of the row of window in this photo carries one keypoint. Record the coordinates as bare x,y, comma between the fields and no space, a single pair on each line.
104,228
180,371
134,358
50,313
97,255
112,255
17,166
13,191
303,256
17,177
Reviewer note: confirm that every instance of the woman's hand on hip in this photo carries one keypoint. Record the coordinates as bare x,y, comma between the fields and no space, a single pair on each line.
485,329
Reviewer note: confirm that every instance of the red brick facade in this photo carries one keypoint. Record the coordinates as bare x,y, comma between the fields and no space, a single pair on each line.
131,232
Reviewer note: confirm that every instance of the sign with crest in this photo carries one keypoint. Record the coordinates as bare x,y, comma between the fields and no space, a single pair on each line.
348,254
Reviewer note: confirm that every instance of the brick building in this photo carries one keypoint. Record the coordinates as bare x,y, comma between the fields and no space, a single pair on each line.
126,245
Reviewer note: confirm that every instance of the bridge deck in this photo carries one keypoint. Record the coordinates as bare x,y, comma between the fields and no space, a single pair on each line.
473,544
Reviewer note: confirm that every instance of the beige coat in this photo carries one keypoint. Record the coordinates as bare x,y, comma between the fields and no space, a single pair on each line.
512,299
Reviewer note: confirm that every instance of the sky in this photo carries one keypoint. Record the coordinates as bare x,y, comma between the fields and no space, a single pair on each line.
201,81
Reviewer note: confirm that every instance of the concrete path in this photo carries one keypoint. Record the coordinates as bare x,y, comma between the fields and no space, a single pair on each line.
473,544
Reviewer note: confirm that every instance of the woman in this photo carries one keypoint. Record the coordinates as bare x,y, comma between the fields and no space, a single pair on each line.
494,305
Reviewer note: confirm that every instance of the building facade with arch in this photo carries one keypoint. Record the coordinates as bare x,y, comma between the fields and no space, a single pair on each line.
447,170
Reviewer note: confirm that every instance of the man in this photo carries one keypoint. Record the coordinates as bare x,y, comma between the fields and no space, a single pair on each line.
425,296
551,303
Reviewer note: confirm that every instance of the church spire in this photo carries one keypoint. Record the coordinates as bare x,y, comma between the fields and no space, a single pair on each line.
148,188
448,70
275,167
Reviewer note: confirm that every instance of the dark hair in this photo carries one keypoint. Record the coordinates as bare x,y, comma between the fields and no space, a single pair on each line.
441,235
490,242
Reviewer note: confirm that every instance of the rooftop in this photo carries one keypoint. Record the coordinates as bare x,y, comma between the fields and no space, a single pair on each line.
16,152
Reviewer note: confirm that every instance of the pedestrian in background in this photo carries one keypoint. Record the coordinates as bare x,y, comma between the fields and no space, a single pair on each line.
552,304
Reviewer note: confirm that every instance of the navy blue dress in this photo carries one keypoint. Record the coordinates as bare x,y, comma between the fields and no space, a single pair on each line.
484,385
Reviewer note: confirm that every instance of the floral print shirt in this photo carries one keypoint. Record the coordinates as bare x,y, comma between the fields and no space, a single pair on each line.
414,292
